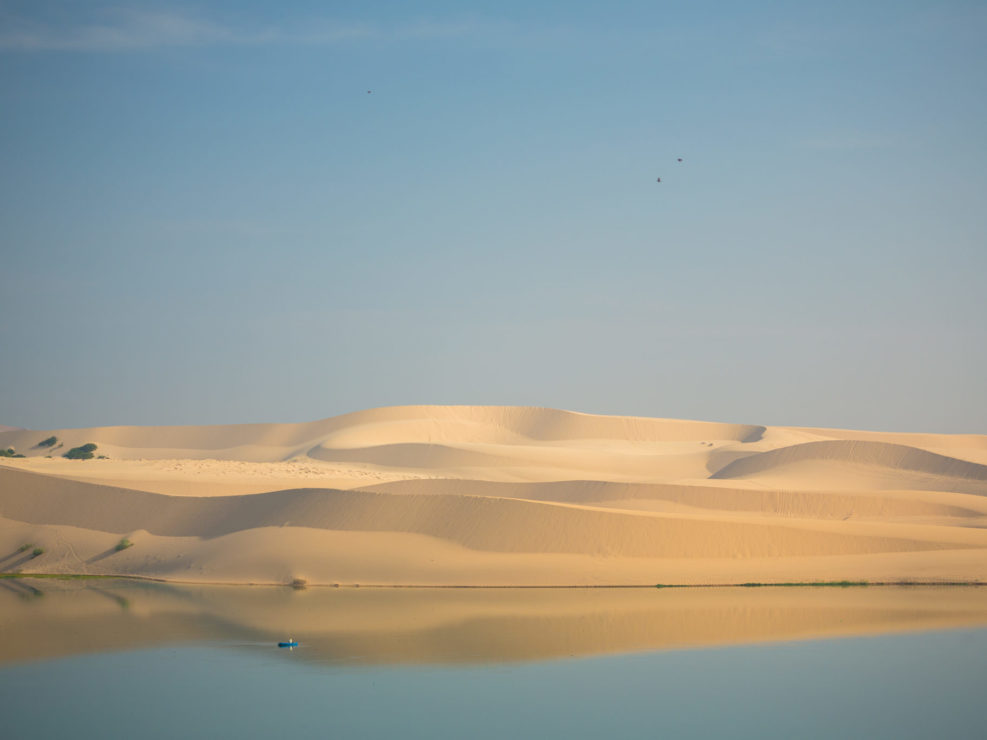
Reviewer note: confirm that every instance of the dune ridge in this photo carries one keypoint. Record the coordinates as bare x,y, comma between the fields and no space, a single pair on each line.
388,425
465,495
479,523
885,454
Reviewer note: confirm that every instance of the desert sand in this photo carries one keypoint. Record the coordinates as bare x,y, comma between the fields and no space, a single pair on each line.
497,496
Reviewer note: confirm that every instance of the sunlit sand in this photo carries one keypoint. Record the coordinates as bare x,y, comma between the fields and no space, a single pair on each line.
497,496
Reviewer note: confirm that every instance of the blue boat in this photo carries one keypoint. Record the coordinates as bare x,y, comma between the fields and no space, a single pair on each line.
290,644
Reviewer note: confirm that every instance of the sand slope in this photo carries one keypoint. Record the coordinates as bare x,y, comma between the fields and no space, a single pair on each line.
498,496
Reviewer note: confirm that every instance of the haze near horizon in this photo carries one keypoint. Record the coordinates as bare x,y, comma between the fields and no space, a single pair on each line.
216,212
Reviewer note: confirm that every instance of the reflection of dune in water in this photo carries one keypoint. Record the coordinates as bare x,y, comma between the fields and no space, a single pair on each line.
49,618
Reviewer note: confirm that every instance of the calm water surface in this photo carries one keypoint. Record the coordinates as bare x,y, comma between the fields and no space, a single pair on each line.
143,661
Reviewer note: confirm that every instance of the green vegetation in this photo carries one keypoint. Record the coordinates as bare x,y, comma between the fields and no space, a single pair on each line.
25,548
83,452
9,452
50,442
840,584
123,544
298,584
37,551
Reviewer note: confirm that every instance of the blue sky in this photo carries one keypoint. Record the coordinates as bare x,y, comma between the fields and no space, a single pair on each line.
205,218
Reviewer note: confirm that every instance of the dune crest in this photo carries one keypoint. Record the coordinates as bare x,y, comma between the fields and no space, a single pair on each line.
474,495
899,457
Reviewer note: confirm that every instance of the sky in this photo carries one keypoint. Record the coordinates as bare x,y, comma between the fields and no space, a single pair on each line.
205,217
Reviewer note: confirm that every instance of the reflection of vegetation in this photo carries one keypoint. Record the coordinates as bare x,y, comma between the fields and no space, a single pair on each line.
123,544
29,591
840,584
62,576
9,452
123,602
50,442
82,452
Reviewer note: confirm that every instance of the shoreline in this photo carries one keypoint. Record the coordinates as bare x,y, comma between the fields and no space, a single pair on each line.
423,586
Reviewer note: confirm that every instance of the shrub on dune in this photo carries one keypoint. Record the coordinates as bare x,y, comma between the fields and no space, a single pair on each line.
83,452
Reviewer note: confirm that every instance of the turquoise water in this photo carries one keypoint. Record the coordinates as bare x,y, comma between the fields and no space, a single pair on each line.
916,685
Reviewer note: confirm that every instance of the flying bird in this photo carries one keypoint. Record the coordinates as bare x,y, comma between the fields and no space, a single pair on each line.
658,180
680,159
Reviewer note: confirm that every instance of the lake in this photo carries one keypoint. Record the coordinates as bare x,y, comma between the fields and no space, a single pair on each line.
109,658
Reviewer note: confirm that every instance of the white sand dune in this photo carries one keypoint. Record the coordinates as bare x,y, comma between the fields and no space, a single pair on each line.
459,425
899,457
858,464
811,504
424,495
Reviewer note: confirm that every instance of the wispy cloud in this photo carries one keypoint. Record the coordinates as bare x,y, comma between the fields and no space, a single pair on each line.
134,30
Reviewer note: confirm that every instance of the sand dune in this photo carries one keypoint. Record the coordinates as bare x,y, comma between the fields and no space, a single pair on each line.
478,523
424,495
971,447
864,463
378,427
900,457
679,497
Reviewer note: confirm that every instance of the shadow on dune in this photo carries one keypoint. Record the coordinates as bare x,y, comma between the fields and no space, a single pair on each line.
9,564
756,434
102,556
